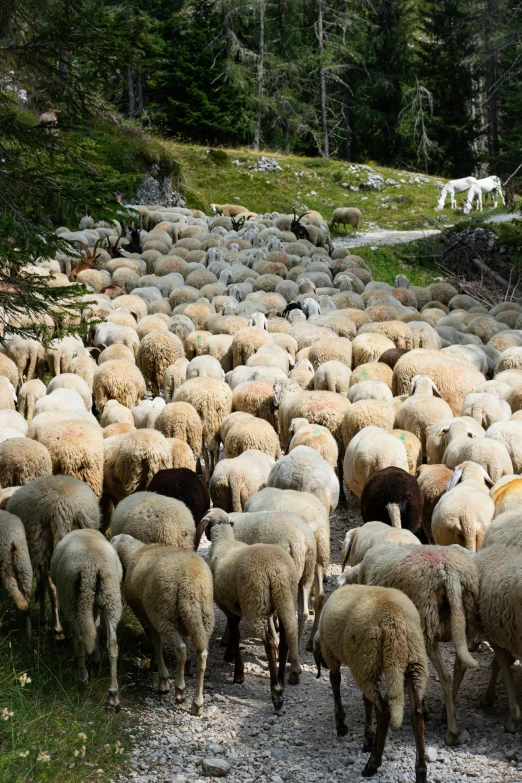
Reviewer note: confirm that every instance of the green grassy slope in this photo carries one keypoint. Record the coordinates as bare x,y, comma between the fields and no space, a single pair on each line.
312,183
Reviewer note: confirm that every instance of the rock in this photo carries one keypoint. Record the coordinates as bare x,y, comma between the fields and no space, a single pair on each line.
512,755
431,754
216,766
464,737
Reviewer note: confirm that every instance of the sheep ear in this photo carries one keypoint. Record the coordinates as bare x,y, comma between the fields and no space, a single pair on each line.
202,528
472,434
413,384
436,392
488,480
456,477
443,431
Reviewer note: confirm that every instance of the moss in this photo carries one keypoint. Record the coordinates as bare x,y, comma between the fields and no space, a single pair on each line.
219,157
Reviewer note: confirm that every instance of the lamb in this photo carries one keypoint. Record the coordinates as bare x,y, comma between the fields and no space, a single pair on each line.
443,584
366,413
130,462
302,433
394,497
68,380
87,573
173,377
16,571
491,454
499,569
486,408
29,357
252,433
346,216
169,589
464,512
443,432
184,485
230,210
60,400
205,367
312,511
234,481
30,392
146,413
23,460
303,373
333,376
422,410
60,352
433,481
255,582
288,531
157,351
114,413
377,632
76,449
372,449
304,469
181,420
360,540
155,519
50,507
117,380
212,400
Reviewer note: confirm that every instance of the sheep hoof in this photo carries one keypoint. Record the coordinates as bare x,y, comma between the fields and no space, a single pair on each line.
370,770
113,702
59,636
180,695
310,645
293,678
195,709
277,697
368,742
163,687
421,775
487,699
341,728
511,726
453,738
239,678
229,657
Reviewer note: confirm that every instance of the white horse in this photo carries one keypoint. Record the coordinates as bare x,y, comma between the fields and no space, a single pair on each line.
491,185
452,187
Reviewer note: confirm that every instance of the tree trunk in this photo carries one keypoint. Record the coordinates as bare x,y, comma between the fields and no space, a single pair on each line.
141,104
491,24
131,98
322,80
260,74
286,132
63,70
347,118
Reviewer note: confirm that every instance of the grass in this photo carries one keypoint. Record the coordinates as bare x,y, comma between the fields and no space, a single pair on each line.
311,183
51,727
387,261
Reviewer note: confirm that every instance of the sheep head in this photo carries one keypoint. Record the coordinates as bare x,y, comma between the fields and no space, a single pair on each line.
423,385
213,517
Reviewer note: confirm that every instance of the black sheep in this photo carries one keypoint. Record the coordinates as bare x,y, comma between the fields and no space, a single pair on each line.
291,306
392,356
394,497
183,484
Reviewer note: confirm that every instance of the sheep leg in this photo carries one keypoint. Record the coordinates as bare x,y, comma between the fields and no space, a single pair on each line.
283,655
382,713
318,604
458,675
453,732
53,595
302,610
163,672
79,651
340,715
488,697
113,699
201,664
276,691
417,721
272,621
207,464
504,661
225,639
342,493
43,609
180,648
239,669
369,734
96,657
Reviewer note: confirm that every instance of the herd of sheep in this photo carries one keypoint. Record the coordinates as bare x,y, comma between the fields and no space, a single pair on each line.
234,380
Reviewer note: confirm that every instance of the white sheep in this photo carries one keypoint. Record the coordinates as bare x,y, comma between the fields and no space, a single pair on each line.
87,574
305,470
16,571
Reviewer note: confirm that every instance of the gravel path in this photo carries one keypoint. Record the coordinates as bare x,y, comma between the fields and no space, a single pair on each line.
239,728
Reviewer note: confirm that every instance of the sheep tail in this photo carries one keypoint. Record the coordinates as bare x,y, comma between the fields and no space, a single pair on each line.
18,579
395,642
477,413
458,620
236,485
85,595
284,596
394,512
